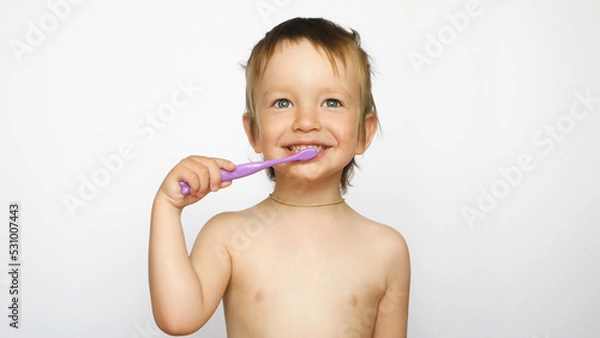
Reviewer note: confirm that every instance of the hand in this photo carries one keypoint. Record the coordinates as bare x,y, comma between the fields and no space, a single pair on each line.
202,174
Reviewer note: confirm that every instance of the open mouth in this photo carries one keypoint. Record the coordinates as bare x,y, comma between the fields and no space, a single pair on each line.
297,148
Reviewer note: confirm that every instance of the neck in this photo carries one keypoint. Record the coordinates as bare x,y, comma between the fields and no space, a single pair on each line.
307,193
306,205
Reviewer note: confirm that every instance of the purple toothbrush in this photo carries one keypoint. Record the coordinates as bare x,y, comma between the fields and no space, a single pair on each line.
243,170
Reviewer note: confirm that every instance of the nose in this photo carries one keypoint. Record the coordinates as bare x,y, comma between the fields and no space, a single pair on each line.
306,119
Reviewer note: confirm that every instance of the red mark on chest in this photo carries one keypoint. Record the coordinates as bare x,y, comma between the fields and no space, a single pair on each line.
353,300
258,296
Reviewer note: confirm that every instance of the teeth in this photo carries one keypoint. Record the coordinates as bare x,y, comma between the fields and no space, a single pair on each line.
296,149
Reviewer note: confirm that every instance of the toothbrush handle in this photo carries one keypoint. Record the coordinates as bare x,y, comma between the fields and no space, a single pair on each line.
185,188
241,170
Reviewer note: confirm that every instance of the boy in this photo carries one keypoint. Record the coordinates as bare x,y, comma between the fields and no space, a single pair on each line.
313,267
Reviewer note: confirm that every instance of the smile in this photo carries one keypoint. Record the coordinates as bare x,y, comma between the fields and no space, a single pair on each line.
297,148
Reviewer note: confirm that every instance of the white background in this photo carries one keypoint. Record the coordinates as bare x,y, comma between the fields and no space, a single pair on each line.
528,268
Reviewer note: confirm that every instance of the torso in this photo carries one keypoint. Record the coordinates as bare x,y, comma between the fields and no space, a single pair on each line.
303,278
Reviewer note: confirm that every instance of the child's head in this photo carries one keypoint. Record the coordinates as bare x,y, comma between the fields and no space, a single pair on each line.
338,44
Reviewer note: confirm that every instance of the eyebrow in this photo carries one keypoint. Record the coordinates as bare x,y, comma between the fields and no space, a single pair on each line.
275,89
278,89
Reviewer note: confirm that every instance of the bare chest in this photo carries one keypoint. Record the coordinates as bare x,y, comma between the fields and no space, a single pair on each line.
321,281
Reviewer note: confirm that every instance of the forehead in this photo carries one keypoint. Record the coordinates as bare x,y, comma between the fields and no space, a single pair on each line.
302,62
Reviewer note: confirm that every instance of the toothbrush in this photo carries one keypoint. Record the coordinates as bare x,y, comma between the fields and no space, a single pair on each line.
246,169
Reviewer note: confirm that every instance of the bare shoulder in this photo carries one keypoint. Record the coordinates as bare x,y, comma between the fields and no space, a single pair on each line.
227,233
385,235
390,244
220,223
215,238
226,224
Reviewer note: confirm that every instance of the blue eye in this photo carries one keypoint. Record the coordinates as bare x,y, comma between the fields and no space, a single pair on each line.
282,103
332,103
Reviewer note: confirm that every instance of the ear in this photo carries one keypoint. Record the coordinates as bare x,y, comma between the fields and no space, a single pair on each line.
369,127
248,130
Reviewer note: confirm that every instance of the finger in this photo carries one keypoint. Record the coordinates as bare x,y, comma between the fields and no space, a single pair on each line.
222,163
225,164
215,175
189,176
225,184
213,166
204,180
192,170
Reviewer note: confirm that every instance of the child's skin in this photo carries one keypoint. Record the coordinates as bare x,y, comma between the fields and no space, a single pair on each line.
321,271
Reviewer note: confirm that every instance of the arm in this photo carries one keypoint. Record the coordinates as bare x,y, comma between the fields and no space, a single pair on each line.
392,313
183,294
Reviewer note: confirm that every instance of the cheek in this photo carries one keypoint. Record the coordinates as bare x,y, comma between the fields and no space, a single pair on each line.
349,131
266,130
268,134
